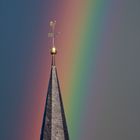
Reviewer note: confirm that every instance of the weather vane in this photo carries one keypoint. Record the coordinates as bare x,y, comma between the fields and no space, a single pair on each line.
52,35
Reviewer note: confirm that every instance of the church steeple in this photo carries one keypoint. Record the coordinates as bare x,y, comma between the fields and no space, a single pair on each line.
54,125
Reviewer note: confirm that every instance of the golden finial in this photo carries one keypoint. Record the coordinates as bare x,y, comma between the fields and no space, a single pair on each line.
53,51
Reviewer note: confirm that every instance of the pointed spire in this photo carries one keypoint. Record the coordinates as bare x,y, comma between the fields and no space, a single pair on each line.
54,125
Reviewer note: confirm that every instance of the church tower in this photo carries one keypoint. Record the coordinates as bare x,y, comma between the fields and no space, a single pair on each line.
54,125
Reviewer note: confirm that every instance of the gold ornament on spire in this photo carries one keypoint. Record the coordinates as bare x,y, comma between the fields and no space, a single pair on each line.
53,51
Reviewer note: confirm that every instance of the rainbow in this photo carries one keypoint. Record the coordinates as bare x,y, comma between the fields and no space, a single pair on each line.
84,47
